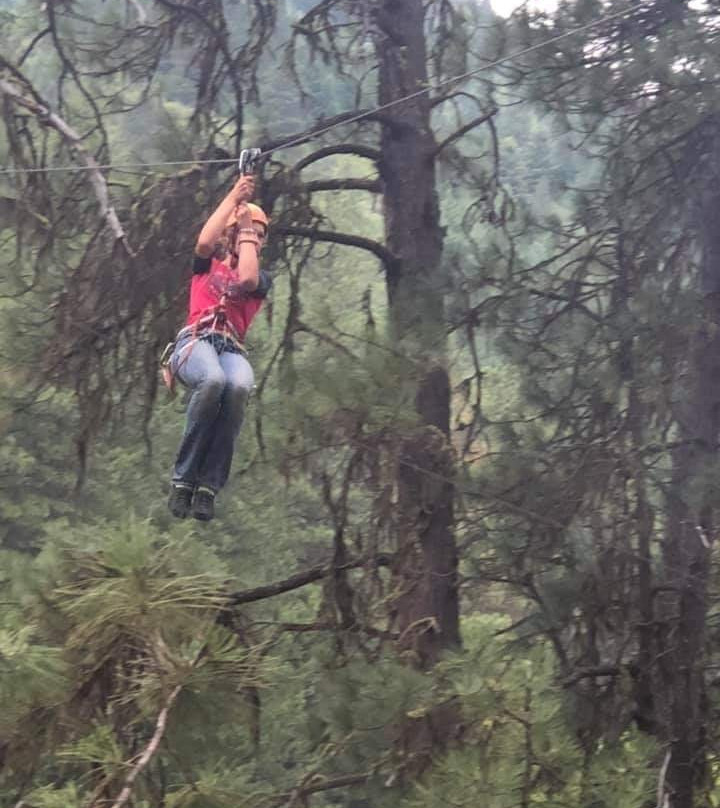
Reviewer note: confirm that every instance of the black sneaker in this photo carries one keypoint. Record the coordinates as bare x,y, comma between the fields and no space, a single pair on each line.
203,504
179,500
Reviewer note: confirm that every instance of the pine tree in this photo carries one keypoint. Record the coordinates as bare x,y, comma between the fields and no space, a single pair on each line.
615,344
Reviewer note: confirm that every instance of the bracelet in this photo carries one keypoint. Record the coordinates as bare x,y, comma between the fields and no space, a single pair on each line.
248,230
248,241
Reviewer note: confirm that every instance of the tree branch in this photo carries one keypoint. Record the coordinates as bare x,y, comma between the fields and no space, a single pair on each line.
48,118
302,327
149,750
315,784
349,184
663,798
220,42
304,578
28,50
388,258
591,673
441,99
344,148
319,783
463,130
140,11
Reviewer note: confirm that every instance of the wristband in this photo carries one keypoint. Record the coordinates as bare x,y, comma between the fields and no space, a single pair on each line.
254,241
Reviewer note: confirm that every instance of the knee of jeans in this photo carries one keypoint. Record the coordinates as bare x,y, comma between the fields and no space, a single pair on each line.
239,393
212,387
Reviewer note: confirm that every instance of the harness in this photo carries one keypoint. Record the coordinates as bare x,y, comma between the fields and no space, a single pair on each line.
212,323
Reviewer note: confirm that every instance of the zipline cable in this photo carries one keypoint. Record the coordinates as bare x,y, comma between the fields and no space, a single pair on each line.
354,119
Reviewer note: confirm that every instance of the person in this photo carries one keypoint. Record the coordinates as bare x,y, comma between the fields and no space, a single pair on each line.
209,357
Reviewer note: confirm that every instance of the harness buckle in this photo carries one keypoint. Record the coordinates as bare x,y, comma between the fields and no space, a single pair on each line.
167,353
166,373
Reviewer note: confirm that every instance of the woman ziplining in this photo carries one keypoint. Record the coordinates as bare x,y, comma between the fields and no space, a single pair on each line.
208,355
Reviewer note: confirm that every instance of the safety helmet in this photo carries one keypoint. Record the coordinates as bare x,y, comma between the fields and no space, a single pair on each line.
257,214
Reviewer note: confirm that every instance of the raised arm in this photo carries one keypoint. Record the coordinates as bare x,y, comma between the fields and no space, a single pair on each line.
211,233
247,248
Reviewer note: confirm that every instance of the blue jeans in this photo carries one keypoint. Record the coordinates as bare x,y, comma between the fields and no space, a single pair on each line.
220,380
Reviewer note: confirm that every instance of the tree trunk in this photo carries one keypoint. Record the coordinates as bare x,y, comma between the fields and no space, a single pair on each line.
686,551
642,514
426,569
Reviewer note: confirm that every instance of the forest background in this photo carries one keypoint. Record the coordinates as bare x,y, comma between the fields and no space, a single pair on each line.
466,555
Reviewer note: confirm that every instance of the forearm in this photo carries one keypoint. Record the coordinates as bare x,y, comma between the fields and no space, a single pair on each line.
248,266
215,225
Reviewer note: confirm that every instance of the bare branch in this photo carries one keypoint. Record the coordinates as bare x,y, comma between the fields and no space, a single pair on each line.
48,118
463,130
303,327
301,579
440,99
663,798
345,148
349,184
149,750
388,258
140,11
591,673
317,784
40,35
219,42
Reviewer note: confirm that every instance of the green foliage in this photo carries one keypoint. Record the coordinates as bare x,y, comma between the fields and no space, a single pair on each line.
119,619
570,282
67,796
33,676
520,746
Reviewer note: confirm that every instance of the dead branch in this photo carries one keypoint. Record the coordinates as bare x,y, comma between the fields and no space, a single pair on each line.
317,784
69,68
149,750
388,258
301,579
140,11
48,118
463,130
591,673
302,327
663,798
344,148
350,184
31,46
233,66
451,96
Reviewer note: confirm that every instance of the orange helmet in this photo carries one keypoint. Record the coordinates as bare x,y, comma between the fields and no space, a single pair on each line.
257,214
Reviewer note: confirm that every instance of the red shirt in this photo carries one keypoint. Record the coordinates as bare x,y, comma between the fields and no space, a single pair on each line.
212,281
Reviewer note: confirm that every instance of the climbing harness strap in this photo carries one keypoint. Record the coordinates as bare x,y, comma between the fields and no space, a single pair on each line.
209,326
